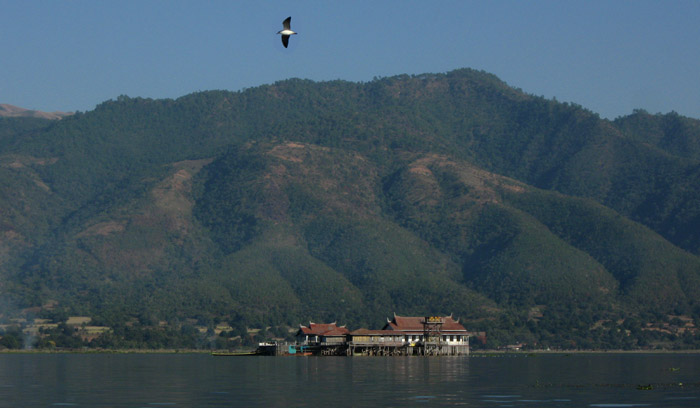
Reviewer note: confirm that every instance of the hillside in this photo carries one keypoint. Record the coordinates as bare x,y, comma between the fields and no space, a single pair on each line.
10,111
534,220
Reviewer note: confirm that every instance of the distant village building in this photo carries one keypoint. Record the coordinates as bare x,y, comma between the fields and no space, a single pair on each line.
321,334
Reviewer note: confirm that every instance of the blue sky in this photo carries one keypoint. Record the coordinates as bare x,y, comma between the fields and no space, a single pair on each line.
610,56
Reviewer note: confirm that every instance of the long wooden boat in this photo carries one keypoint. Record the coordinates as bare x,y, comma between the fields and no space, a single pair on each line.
234,353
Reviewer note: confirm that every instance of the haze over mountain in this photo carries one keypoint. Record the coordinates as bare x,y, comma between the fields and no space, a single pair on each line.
336,201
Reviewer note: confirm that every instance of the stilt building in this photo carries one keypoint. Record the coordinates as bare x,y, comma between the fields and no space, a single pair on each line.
401,336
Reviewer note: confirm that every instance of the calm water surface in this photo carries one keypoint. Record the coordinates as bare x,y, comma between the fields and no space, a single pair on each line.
199,380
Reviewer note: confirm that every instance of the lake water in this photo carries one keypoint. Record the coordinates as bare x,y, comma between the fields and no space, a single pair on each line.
200,380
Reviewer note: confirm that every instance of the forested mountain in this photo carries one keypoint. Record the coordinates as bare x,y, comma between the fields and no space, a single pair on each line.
534,220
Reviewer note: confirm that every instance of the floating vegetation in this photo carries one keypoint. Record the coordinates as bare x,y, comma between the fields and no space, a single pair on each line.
501,355
643,386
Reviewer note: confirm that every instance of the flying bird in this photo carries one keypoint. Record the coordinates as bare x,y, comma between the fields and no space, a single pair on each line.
286,31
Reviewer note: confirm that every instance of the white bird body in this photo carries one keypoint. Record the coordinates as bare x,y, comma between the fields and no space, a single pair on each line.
286,31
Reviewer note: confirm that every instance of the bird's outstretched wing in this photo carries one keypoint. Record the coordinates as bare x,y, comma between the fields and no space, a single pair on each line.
287,22
285,40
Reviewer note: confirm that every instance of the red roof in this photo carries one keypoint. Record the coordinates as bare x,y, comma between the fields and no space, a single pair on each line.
415,324
324,329
338,331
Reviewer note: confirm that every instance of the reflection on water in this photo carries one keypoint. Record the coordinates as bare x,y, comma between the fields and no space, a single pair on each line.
196,380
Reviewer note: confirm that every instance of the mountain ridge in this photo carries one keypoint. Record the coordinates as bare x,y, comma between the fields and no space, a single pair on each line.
437,193
11,111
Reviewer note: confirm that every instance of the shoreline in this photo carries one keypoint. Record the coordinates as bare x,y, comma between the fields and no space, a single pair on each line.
689,351
476,353
107,351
